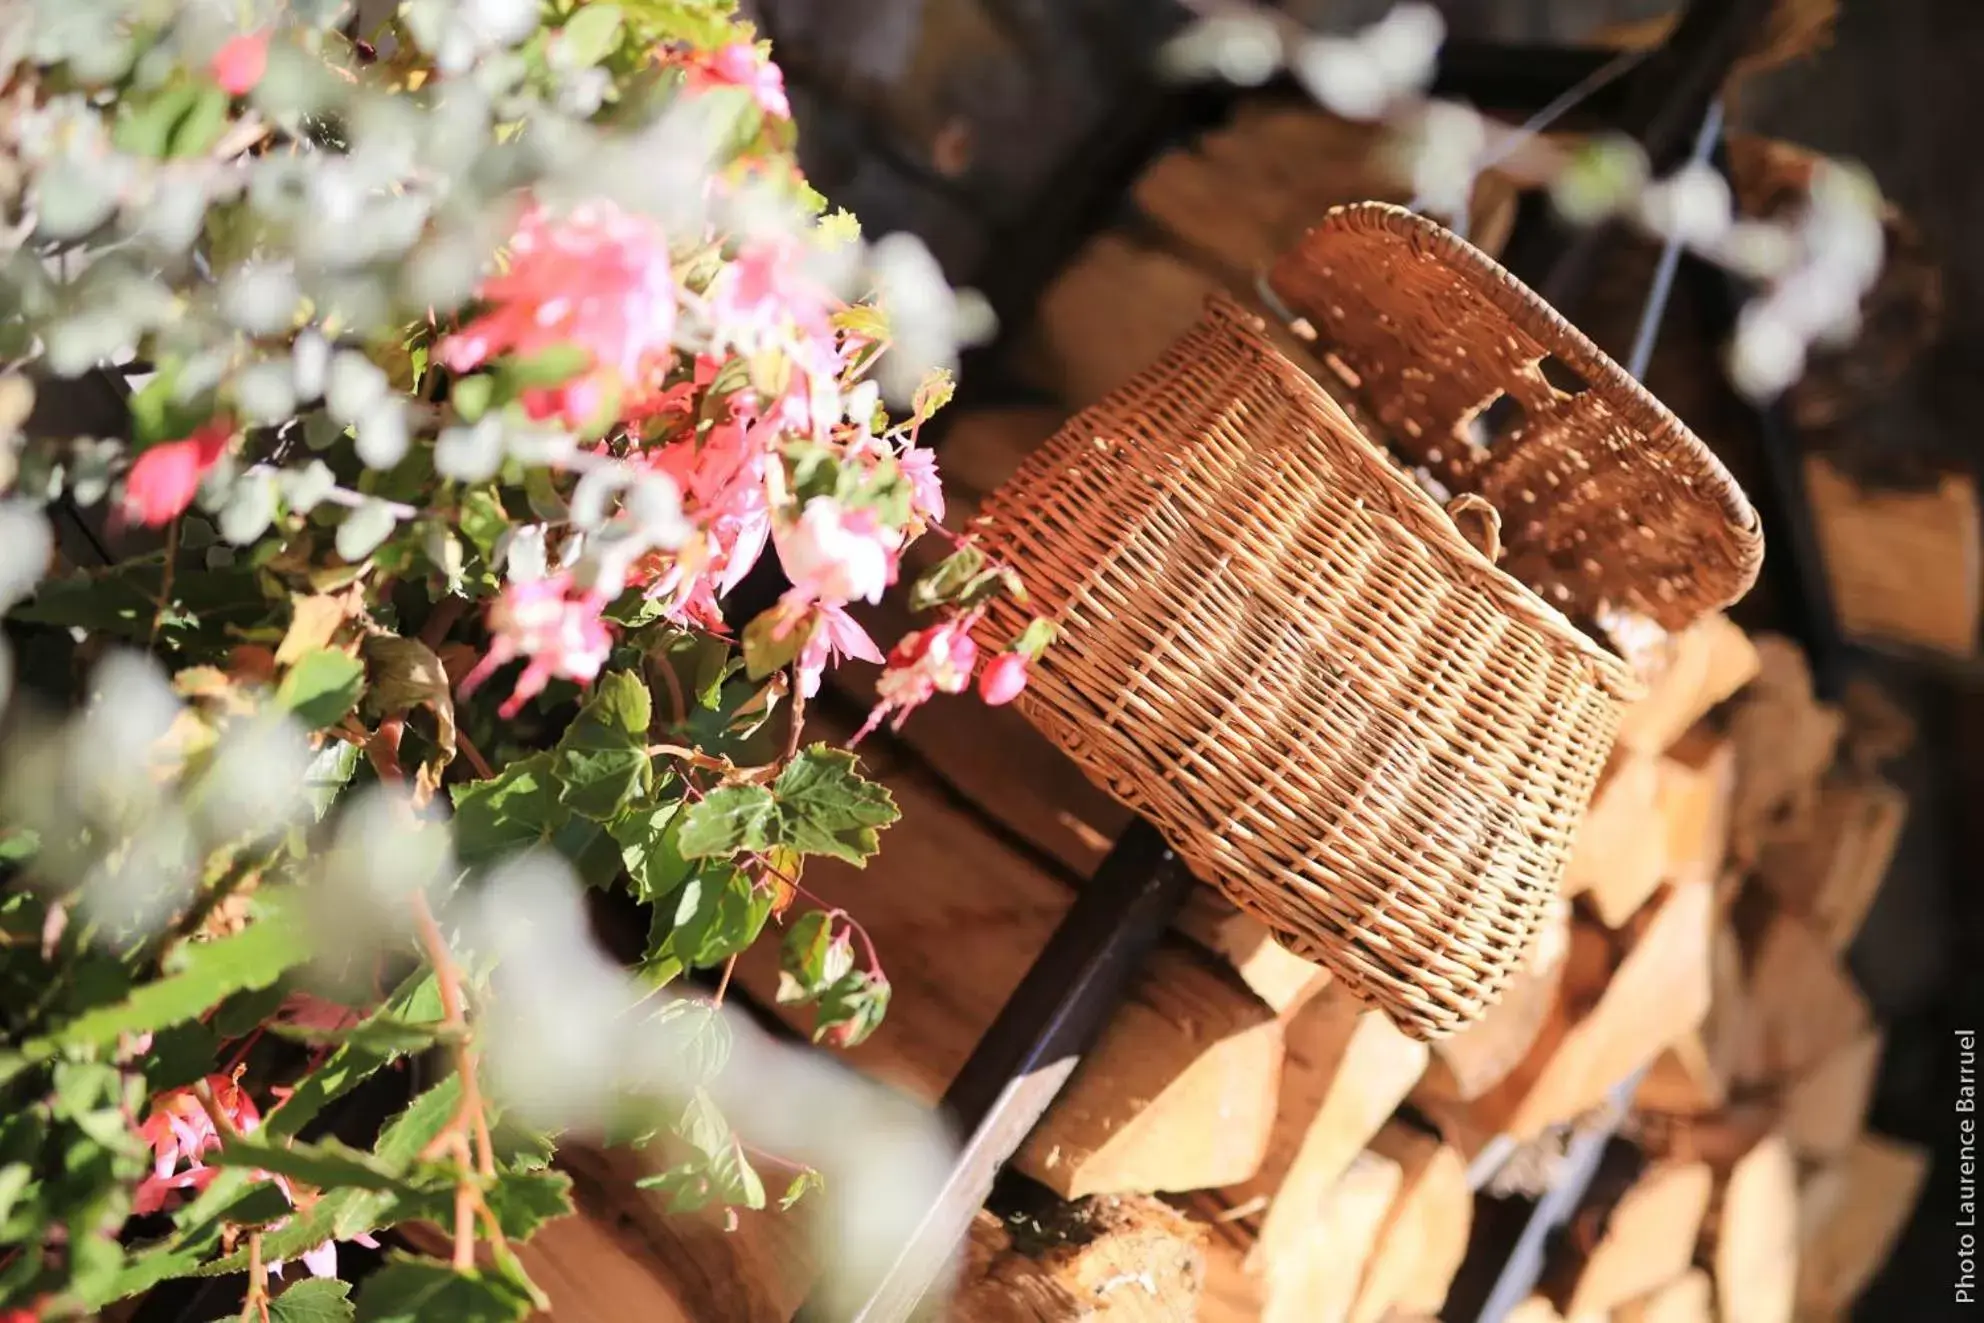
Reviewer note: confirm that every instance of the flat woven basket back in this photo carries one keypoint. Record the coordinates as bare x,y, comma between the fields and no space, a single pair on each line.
1279,650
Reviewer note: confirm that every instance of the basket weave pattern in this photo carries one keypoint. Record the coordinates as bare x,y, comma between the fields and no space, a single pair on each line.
1254,600
1282,652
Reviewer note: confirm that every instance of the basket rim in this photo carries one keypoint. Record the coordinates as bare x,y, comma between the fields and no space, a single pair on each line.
1532,315
1428,520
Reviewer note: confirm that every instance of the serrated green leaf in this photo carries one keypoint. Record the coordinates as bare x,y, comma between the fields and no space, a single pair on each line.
590,849
686,1186
694,1035
482,520
472,396
407,1134
717,914
602,760
771,642
322,687
523,1201
826,807
947,579
180,1055
384,1034
515,809
852,1008
313,1300
413,1290
648,850
326,1164
728,820
330,771
812,958
207,974
180,119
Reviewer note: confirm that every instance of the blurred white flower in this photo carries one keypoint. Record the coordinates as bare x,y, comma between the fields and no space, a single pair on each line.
470,452
1363,76
926,320
27,542
310,360
361,890
380,432
254,787
520,553
364,529
1768,352
250,508
1692,205
1599,180
304,487
265,392
353,383
260,298
142,886
1242,46
1450,142
109,763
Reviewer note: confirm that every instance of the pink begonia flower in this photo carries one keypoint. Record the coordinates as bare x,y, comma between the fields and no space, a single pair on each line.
163,480
723,490
831,554
557,630
1003,679
323,1260
923,664
240,63
832,634
596,278
926,489
180,1128
740,64
765,298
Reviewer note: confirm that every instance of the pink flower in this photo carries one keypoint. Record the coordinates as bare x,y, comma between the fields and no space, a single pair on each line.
926,489
558,631
307,1011
741,65
1003,679
162,481
241,62
597,279
925,663
178,1128
765,298
835,555
831,635
323,1260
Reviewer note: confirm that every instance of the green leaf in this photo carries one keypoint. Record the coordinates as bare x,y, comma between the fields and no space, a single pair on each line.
686,1186
947,579
803,1184
482,520
313,1300
602,759
208,973
19,845
523,1201
648,849
851,1009
511,811
1035,638
731,1175
415,1001
414,1128
812,958
472,396
559,363
180,119
330,771
590,35
383,1034
728,820
182,1054
717,914
322,687
414,1290
766,648
327,1164
592,852
826,807
693,1034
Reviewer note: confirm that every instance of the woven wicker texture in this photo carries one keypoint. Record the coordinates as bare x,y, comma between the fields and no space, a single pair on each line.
1607,500
1279,650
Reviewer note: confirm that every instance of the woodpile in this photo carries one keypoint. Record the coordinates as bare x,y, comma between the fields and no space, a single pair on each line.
1246,1141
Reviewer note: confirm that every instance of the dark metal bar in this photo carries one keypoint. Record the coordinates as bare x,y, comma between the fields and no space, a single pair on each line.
1029,1052
1664,102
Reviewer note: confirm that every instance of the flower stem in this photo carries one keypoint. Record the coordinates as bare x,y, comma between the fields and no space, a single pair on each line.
255,1309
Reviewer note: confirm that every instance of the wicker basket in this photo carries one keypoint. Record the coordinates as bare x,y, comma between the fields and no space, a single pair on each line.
1280,650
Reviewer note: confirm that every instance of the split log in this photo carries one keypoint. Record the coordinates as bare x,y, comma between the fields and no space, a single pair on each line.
1825,1111
1831,874
1621,852
1700,667
1179,1092
1785,740
1468,1064
1646,1239
1348,1069
1803,1003
1601,1029
1905,566
1696,784
1755,1237
1102,1260
1692,1076
1689,1298
1424,1236
1232,1294
1850,1216
1314,1277
1279,977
